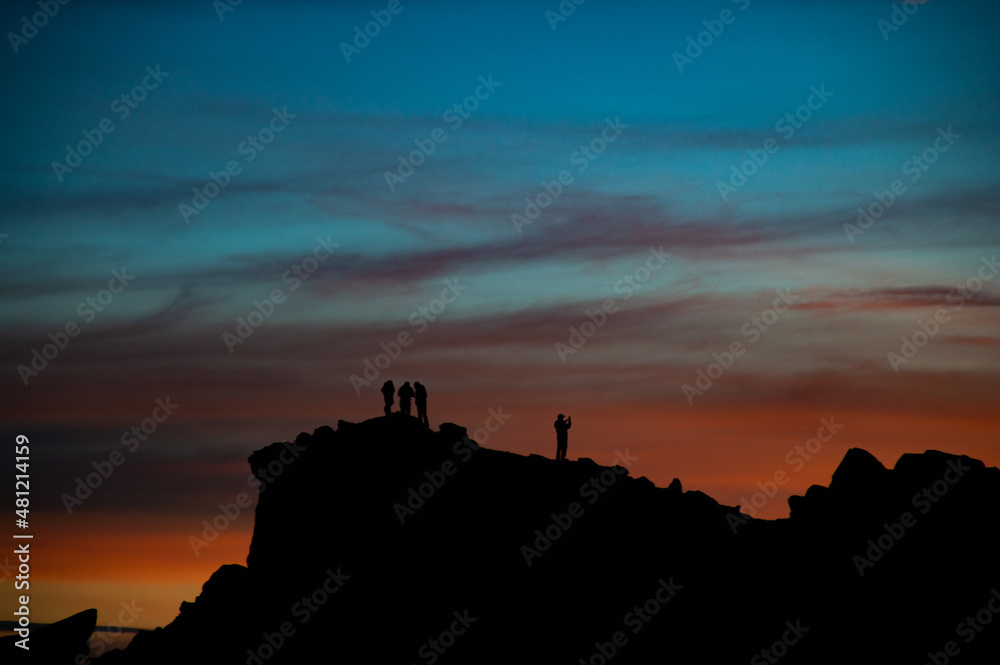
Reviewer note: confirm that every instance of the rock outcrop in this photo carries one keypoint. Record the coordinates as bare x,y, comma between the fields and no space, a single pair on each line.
59,643
385,542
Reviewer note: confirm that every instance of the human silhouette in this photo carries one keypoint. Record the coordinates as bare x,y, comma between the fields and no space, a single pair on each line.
405,395
420,394
388,393
562,435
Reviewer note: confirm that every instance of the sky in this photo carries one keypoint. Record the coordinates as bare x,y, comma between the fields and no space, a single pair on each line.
730,239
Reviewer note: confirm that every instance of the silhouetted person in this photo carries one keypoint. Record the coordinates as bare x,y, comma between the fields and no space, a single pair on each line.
388,394
405,395
562,435
420,394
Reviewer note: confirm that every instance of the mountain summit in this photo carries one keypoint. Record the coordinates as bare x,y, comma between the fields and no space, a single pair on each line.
386,542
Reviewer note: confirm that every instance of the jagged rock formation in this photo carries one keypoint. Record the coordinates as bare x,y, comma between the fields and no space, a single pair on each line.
385,542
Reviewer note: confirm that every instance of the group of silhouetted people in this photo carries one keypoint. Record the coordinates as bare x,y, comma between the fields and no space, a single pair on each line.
418,393
407,393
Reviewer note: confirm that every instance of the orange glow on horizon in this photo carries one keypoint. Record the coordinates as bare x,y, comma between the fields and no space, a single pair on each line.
88,560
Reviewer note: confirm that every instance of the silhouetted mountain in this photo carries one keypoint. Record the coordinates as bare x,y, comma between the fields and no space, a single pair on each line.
385,542
56,643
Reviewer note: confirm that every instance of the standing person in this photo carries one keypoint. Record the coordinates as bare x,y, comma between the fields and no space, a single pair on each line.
405,395
562,435
388,393
421,397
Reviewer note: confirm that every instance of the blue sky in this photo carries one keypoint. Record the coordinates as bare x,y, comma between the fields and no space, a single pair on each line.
323,176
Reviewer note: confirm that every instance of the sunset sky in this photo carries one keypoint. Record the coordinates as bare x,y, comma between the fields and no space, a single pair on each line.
636,145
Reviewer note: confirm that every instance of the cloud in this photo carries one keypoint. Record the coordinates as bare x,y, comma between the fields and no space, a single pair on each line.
890,298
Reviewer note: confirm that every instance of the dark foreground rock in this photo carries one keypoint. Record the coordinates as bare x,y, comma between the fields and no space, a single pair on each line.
59,643
385,542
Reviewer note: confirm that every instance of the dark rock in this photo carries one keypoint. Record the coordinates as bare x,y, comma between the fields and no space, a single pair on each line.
324,434
858,470
551,558
451,432
54,644
814,505
675,487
